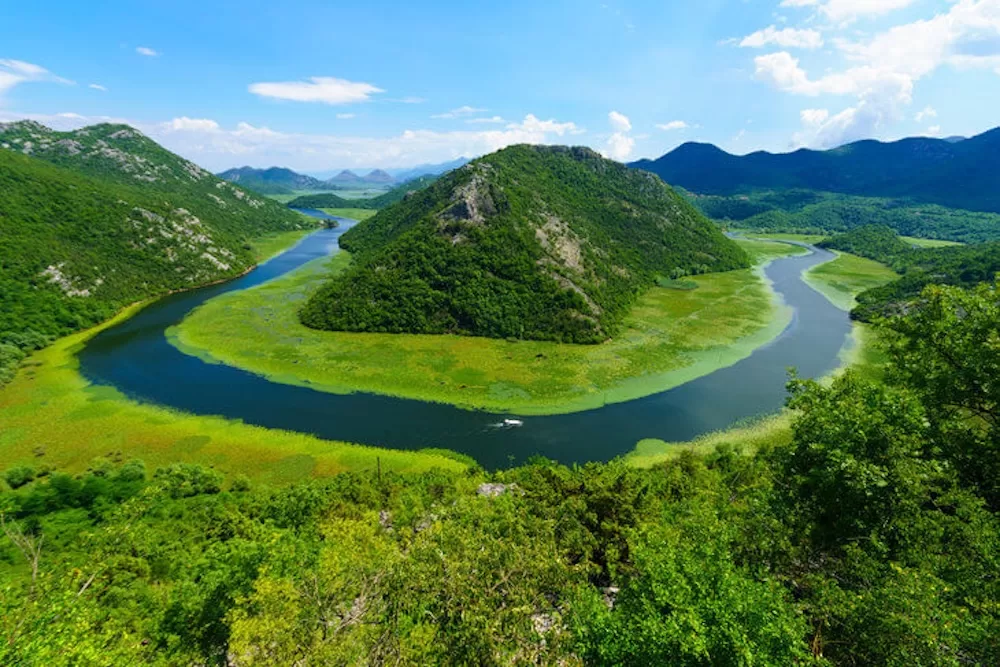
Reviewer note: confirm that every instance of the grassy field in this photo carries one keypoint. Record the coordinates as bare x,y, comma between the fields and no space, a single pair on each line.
269,246
802,238
847,276
928,243
671,337
352,213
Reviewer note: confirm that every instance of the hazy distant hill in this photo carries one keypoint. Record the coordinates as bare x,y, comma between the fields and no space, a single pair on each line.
379,176
957,173
97,218
403,175
331,200
536,242
273,181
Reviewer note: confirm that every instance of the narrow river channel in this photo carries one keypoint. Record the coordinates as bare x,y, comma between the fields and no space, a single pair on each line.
136,358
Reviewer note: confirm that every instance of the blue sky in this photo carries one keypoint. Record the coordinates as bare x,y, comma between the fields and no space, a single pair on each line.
319,85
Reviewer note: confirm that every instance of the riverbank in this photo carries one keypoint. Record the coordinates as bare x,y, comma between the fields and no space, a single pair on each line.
51,417
840,281
672,336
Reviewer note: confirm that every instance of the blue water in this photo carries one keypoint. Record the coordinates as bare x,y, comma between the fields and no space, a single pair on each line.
135,357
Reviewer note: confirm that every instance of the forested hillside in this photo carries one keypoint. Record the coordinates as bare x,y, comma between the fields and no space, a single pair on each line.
869,537
964,266
961,174
812,212
548,243
93,220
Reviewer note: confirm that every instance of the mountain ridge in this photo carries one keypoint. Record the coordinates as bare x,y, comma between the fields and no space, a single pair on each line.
960,174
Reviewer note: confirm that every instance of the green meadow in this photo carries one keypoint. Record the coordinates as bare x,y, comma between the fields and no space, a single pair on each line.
353,213
671,337
846,277
929,243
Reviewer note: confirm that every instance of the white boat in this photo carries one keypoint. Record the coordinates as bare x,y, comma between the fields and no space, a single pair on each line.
511,423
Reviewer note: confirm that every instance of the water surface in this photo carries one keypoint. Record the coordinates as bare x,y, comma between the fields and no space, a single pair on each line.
135,357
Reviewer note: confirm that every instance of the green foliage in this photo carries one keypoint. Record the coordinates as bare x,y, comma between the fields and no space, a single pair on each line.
688,603
529,242
18,476
871,538
810,212
99,218
876,242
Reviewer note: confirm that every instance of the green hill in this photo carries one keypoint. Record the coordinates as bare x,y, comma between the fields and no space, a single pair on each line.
95,219
961,174
273,181
397,194
548,243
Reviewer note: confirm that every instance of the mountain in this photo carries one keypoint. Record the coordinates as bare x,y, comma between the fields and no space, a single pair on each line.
330,200
273,181
345,177
379,176
549,243
98,218
961,174
403,175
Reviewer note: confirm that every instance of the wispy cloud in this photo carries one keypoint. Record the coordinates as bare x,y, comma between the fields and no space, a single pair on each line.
345,116
498,120
14,72
788,38
673,125
146,51
459,112
97,86
325,89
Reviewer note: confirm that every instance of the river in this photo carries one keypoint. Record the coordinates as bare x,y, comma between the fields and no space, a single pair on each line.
135,357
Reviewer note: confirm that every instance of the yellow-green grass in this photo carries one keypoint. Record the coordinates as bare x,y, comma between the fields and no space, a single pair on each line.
50,408
671,337
929,243
352,213
772,430
846,277
801,238
267,247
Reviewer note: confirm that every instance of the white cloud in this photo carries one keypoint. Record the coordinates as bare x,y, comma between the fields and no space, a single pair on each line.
146,51
325,89
619,122
459,112
788,38
673,125
207,143
845,11
492,120
97,86
886,67
345,116
934,130
814,117
927,112
186,124
619,145
14,72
